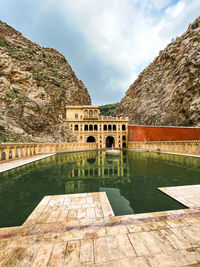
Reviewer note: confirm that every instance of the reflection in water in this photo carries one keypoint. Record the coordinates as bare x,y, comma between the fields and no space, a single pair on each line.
130,181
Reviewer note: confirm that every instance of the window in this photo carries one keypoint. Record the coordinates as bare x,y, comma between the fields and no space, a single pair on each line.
86,127
76,127
123,127
105,127
91,127
114,127
95,127
90,114
76,116
109,127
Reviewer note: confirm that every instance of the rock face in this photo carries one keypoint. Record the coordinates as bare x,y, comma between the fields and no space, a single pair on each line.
167,92
35,86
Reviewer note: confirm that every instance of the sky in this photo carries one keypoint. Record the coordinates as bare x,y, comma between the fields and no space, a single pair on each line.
107,42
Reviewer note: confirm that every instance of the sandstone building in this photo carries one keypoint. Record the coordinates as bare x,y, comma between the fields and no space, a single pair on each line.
89,126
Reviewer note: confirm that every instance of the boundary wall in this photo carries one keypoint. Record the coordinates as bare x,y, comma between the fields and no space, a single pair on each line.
11,151
159,133
182,147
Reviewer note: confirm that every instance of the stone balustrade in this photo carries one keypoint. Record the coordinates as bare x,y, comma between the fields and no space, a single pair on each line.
10,151
182,147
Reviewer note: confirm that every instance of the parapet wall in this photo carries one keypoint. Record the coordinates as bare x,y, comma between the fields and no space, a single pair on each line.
156,133
15,151
182,147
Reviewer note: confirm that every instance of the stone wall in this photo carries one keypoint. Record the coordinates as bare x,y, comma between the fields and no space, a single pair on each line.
15,151
182,147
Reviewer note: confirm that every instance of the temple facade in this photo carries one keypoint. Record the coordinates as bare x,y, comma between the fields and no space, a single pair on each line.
89,126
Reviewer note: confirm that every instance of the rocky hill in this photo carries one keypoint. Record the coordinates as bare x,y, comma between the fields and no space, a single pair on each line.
167,92
36,84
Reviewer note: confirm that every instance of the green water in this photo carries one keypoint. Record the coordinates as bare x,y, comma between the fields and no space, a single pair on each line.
130,181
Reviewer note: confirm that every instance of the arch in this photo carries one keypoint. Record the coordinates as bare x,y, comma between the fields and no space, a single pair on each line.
123,127
76,127
90,113
95,113
109,127
110,141
3,155
10,153
86,113
114,127
124,138
91,139
91,127
86,127
95,127
105,127
91,160
124,144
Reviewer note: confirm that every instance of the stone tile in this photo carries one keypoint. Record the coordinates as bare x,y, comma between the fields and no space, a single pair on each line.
98,212
89,200
155,243
43,255
21,241
72,214
176,223
137,262
95,232
174,240
53,216
72,258
117,230
30,255
57,257
4,243
86,251
179,258
16,257
81,213
47,238
138,244
43,217
113,248
180,233
4,255
71,235
90,213
125,246
100,250
62,216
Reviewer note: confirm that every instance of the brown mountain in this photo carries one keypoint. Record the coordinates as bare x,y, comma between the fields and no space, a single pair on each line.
36,84
167,92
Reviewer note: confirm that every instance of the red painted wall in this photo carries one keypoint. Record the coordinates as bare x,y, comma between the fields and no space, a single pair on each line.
153,133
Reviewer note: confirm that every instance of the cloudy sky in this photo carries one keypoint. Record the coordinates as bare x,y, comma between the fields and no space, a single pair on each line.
107,42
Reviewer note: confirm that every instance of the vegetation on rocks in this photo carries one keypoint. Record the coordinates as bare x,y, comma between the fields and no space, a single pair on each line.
36,84
167,92
108,110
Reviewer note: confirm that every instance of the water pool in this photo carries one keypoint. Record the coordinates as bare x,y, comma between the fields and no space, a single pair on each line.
130,181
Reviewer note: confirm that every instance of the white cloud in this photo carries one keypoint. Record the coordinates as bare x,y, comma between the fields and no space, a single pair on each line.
127,34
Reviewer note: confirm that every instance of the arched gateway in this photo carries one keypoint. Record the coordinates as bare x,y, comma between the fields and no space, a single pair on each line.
110,141
91,139
91,127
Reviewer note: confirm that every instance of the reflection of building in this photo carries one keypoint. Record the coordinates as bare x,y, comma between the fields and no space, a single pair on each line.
98,165
89,126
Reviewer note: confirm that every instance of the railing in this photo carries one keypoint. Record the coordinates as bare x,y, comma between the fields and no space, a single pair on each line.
10,151
185,146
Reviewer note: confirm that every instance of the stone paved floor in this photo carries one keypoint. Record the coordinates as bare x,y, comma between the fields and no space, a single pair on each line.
189,195
81,230
20,162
